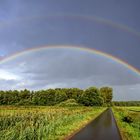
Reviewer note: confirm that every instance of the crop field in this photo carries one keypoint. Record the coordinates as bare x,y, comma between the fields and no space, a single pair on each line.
43,123
128,119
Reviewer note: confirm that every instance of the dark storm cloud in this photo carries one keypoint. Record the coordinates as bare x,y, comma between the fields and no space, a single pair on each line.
25,26
81,66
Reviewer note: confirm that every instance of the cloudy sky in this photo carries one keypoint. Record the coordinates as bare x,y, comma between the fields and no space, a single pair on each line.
111,26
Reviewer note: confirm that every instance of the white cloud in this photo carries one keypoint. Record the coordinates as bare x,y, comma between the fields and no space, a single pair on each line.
6,75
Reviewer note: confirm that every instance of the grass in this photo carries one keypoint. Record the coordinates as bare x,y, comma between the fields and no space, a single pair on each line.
130,130
43,123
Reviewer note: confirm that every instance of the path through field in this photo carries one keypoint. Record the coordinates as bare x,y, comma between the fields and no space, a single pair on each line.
102,128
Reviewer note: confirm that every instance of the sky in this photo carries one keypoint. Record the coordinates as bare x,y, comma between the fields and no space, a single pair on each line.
111,26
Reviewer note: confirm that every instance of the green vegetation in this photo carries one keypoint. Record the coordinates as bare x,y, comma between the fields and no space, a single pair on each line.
128,119
126,103
106,93
52,114
92,97
43,123
69,103
48,114
88,97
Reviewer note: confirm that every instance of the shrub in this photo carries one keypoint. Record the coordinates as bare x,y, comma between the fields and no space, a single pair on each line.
127,119
69,103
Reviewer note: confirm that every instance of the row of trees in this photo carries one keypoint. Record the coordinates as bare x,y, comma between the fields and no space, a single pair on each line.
126,103
88,97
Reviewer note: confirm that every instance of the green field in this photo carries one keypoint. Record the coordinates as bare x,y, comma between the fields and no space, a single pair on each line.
128,119
43,123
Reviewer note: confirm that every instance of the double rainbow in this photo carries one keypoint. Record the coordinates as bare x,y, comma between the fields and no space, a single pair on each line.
90,50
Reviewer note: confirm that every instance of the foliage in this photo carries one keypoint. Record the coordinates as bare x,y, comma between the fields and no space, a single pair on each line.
88,97
69,103
43,123
91,97
73,93
128,121
126,103
107,94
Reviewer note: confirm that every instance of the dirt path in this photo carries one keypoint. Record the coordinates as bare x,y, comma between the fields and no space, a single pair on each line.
102,128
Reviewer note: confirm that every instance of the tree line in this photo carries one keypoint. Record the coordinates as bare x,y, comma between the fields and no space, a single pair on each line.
91,96
126,103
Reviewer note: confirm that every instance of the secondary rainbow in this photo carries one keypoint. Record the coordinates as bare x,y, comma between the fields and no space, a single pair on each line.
89,50
75,17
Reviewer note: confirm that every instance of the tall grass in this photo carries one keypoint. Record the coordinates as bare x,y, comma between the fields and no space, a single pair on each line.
43,123
128,119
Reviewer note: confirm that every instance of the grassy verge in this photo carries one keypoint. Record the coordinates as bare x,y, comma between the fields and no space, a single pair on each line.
128,121
41,123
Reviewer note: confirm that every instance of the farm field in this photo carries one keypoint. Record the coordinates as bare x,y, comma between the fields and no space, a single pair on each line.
128,120
41,123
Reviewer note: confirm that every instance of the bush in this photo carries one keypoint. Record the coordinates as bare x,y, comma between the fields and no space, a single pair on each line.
69,103
127,119
25,102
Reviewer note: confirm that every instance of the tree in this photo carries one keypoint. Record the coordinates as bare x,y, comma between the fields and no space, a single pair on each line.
107,94
73,93
91,97
60,96
24,94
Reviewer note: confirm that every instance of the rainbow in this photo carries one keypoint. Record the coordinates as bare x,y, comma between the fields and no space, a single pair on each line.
79,48
75,17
